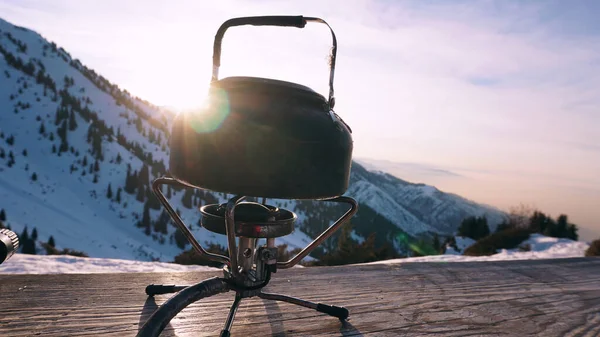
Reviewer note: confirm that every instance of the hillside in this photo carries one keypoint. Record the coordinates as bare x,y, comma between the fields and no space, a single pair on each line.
78,154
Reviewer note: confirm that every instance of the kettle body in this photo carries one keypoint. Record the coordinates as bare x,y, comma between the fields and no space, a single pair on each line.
263,137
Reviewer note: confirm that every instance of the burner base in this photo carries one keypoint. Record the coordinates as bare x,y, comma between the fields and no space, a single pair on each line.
187,295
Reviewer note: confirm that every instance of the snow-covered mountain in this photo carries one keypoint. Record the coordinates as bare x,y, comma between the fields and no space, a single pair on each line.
78,153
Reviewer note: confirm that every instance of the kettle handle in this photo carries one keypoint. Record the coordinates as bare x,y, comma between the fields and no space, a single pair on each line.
298,21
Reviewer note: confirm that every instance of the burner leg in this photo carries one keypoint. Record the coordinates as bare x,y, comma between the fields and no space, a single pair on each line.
236,303
169,309
332,310
159,289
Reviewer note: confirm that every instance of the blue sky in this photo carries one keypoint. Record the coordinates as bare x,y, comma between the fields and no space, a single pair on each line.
502,94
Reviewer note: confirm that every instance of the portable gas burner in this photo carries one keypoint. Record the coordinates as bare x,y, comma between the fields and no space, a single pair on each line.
259,138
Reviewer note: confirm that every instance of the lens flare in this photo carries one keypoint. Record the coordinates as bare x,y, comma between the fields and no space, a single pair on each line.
212,114
419,247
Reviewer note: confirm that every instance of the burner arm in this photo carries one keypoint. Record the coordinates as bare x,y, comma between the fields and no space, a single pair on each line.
156,185
326,234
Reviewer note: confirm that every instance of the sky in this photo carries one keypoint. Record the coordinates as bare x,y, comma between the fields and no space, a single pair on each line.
492,100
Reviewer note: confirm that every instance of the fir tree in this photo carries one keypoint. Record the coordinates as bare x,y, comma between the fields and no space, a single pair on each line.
109,192
2,215
72,121
145,223
140,195
130,183
96,166
562,226
24,152
84,162
436,244
118,198
95,178
34,234
42,128
186,199
24,235
144,176
152,200
28,247
51,242
34,176
53,148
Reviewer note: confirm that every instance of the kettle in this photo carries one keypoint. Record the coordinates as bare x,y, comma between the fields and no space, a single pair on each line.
263,137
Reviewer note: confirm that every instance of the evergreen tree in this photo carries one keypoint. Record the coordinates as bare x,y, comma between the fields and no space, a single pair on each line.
97,145
146,217
24,235
109,192
186,199
34,234
95,178
130,184
436,244
72,121
2,215
42,128
53,148
51,242
28,247
96,166
550,228
144,176
562,226
140,195
84,162
152,199
118,197
538,222
180,240
24,153
119,159
160,225
62,131
474,227
572,232
34,176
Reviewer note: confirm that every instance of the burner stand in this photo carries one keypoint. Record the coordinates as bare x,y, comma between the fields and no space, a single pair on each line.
248,268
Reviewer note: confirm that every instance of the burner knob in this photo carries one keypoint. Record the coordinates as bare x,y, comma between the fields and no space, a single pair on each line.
9,243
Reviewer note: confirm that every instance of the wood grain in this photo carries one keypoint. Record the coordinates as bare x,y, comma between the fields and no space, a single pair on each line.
516,298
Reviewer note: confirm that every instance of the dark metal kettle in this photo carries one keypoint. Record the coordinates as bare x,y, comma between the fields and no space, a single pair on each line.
263,137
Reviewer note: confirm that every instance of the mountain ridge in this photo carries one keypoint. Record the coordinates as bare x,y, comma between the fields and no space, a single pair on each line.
94,149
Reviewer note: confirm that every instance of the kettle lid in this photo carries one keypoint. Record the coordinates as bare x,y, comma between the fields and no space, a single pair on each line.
260,83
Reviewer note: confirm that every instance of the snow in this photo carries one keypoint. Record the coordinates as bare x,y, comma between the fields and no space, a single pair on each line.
461,243
542,247
64,264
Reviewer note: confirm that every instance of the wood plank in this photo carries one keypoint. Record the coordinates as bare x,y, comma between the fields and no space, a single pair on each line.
508,298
